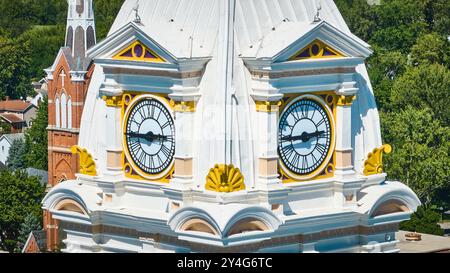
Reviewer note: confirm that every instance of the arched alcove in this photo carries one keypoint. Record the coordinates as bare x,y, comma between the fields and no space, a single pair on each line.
248,225
70,205
198,225
389,207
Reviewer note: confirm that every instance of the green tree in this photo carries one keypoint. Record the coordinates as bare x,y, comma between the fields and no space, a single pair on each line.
384,68
17,152
36,139
430,49
424,220
421,151
424,87
15,79
30,223
46,42
20,196
105,14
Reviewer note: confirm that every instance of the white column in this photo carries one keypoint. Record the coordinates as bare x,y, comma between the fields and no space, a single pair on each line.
184,139
344,149
112,95
267,136
347,184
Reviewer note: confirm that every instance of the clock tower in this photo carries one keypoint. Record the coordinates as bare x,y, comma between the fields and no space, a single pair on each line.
222,126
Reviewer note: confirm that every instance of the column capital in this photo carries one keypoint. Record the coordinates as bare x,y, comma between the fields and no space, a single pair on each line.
184,106
268,106
113,101
346,100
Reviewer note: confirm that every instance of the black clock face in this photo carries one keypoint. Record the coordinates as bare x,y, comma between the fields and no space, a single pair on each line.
150,136
305,137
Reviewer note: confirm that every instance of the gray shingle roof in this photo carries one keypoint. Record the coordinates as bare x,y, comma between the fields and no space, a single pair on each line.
12,137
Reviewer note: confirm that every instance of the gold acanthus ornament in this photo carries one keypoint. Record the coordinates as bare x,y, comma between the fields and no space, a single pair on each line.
374,163
183,106
345,100
115,101
87,163
225,178
268,106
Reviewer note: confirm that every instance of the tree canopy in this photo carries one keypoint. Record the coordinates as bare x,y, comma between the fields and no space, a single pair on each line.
20,196
36,139
410,75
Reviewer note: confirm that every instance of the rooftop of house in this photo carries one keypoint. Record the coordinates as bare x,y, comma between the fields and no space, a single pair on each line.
428,244
40,236
14,106
41,174
11,118
12,137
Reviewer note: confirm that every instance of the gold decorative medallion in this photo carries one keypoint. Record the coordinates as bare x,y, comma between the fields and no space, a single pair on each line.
87,163
137,51
374,163
316,50
225,178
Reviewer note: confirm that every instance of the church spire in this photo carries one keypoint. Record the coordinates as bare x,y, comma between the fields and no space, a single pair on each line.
80,33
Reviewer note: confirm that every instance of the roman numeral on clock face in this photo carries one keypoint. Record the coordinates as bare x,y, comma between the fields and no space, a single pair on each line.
305,132
149,136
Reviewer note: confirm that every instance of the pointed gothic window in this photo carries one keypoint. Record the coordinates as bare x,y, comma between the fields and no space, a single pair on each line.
80,6
69,38
69,113
63,111
138,52
316,50
79,42
57,112
90,36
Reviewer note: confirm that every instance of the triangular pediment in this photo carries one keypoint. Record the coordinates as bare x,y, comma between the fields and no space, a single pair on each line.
299,42
132,44
137,51
316,50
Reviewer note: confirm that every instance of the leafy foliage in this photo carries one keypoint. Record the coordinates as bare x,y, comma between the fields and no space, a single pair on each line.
17,152
30,223
36,139
15,76
20,196
421,154
410,75
34,31
425,220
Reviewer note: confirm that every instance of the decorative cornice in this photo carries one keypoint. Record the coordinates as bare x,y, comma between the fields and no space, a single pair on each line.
268,106
374,163
258,74
250,247
345,100
87,163
225,178
78,76
114,101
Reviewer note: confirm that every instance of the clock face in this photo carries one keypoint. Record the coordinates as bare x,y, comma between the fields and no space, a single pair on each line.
149,136
305,137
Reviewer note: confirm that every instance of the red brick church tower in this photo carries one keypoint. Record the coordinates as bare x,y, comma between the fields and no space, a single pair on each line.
68,81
